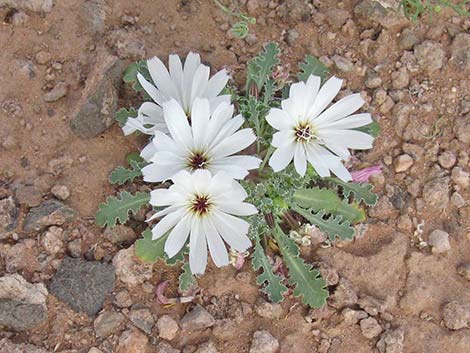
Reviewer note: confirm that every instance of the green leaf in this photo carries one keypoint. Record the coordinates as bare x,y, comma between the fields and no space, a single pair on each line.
333,226
372,129
149,250
134,156
122,175
123,113
117,209
307,281
312,66
271,284
359,191
186,278
260,67
130,74
323,199
179,257
240,29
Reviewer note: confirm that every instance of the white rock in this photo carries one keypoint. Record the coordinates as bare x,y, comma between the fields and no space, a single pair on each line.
439,240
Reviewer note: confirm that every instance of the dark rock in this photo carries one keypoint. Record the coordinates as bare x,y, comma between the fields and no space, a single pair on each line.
49,213
31,5
372,12
8,216
7,346
82,284
98,104
142,318
197,319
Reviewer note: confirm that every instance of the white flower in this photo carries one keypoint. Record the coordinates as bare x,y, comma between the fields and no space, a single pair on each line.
308,132
208,143
184,84
203,207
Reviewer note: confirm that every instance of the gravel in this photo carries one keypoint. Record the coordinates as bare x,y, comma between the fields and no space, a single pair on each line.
53,240
460,51
60,191
391,341
456,315
131,270
143,319
8,216
167,327
403,163
436,193
344,295
197,319
430,55
352,317
59,91
464,271
107,323
370,328
31,5
408,39
51,212
263,342
82,284
22,304
268,310
132,341
439,240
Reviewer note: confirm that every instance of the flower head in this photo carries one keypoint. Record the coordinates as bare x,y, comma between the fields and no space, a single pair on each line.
210,142
182,83
308,132
204,208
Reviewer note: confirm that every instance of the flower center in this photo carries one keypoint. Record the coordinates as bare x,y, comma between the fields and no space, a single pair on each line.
201,204
197,161
304,133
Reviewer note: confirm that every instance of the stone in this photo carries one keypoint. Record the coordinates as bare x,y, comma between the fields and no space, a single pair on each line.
59,91
127,45
460,51
370,328
337,17
95,350
292,36
143,319
74,248
93,15
7,346
28,195
60,191
120,234
403,163
373,80
208,347
19,18
439,240
371,305
460,177
464,271
129,269
400,79
167,327
263,342
405,223
133,341
8,216
43,57
373,12
328,273
22,304
447,159
436,193
53,240
462,129
82,284
457,200
456,315
344,295
107,323
95,110
165,347
268,310
22,256
51,212
391,341
408,39
352,317
197,319
343,63
430,55
31,5
123,299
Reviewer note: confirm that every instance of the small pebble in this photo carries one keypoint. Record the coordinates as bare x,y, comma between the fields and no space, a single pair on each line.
403,163
370,327
61,192
439,240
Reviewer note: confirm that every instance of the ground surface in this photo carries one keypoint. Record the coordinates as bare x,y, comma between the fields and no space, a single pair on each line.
411,296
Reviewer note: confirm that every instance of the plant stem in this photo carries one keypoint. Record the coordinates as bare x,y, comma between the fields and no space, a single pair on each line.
266,158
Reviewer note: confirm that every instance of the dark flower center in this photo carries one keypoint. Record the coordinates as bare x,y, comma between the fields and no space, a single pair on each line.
303,133
197,161
201,204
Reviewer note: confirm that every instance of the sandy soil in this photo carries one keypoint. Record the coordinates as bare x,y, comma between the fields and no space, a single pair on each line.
415,78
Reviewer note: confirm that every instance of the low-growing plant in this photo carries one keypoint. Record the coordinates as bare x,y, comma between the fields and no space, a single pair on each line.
208,194
240,29
414,9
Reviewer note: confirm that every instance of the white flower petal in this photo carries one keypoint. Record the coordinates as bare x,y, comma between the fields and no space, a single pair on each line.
152,91
197,249
283,137
237,208
166,223
340,110
282,157
226,131
176,70
245,162
235,143
216,245
161,77
337,148
313,87
148,151
154,173
164,197
178,236
233,230
320,159
349,138
163,142
300,160
200,81
216,101
177,123
325,96
350,122
341,172
216,84
279,120
199,121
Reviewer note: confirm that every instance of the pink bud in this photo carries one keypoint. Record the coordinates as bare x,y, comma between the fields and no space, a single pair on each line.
362,176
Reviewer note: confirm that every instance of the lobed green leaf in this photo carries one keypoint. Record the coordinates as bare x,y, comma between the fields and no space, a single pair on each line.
312,66
261,67
117,208
186,278
123,114
358,191
307,281
372,129
149,250
122,175
130,74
